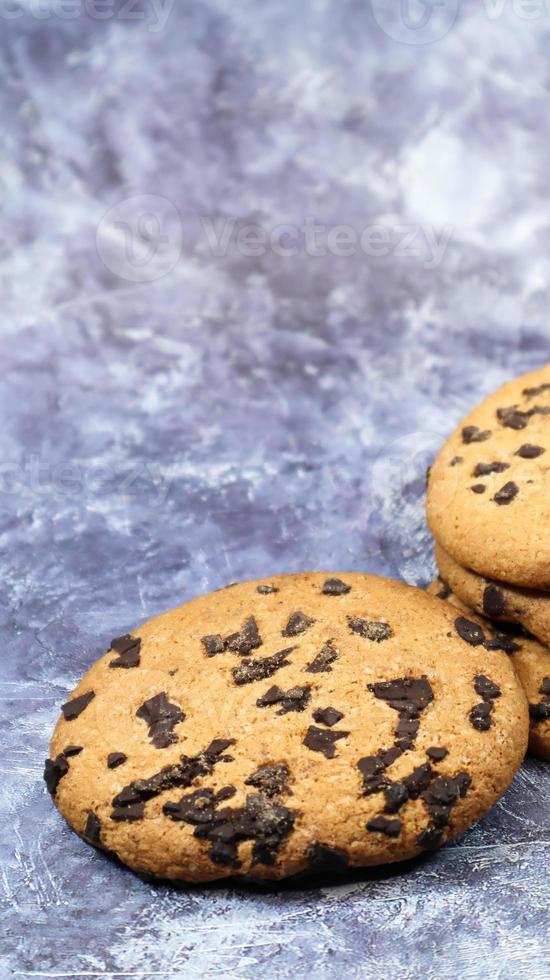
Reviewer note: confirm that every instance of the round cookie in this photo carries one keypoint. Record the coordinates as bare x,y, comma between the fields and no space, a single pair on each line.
310,722
531,660
489,489
497,600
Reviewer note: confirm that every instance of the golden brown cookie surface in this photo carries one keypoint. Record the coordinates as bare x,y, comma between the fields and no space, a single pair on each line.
489,488
530,658
281,726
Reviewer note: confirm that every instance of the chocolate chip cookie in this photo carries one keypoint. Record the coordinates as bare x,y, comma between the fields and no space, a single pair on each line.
303,723
530,658
489,488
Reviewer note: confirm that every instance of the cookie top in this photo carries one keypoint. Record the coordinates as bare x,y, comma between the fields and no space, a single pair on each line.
309,722
530,658
497,600
488,491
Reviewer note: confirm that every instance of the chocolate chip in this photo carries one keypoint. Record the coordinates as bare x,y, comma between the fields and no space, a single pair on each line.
162,717
213,644
247,639
539,390
436,754
445,590
296,699
504,639
322,662
469,632
494,602
369,629
513,418
319,740
480,716
326,860
92,830
381,825
272,780
116,759
72,709
327,716
258,670
471,433
404,693
430,839
396,795
506,493
463,781
439,797
528,451
266,589
486,688
298,623
71,750
128,648
195,808
478,488
456,460
131,813
485,469
54,770
539,712
335,586
418,780
543,689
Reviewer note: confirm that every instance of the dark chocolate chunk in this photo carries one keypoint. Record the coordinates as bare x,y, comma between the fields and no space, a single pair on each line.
258,670
456,460
486,688
213,644
430,839
335,586
116,759
319,740
469,632
247,639
540,711
506,493
396,794
528,451
272,780
322,662
463,781
418,780
92,830
295,699
485,469
298,623
54,770
128,648
370,629
539,390
72,709
326,860
480,716
197,807
267,589
372,769
504,639
327,716
436,754
494,602
71,750
478,488
471,433
131,813
513,418
412,694
162,717
543,689
381,825
445,590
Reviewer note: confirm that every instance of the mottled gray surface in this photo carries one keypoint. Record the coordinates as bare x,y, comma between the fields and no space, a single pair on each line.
173,419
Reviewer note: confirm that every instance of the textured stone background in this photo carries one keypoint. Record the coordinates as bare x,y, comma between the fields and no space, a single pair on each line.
173,419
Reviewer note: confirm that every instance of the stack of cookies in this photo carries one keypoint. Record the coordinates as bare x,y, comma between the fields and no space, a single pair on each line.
489,511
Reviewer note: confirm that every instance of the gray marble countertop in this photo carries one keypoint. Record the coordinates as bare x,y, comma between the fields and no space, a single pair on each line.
256,261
